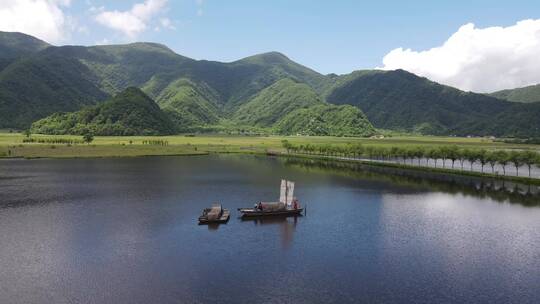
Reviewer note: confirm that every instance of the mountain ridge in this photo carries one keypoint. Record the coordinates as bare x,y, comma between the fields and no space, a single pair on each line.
196,93
443,108
526,94
16,44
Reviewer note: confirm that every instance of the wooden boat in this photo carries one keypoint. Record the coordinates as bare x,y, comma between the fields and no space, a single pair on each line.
215,214
288,205
252,212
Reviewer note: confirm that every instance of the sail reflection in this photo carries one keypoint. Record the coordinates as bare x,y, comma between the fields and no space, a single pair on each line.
287,226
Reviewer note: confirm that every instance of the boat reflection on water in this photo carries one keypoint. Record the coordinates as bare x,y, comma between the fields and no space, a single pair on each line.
214,226
287,226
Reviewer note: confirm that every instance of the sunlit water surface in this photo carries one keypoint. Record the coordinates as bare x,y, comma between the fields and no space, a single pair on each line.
125,231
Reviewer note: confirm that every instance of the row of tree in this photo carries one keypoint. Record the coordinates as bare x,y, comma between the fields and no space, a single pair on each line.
87,137
446,153
52,140
156,142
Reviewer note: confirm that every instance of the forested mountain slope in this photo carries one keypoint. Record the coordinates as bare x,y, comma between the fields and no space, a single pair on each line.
260,91
276,101
35,86
16,45
525,94
130,112
400,100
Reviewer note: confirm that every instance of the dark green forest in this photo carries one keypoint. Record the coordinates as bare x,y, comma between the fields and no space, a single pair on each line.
130,112
526,94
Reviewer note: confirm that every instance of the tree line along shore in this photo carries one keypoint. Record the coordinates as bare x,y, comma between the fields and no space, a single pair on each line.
447,155
421,151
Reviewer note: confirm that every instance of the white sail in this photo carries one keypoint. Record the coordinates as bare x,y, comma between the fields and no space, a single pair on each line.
283,192
290,193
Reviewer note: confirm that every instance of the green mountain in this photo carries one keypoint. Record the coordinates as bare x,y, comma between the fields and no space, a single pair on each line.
519,120
154,67
326,119
258,91
130,112
525,94
100,71
276,101
290,107
265,69
190,105
35,86
120,66
14,45
400,100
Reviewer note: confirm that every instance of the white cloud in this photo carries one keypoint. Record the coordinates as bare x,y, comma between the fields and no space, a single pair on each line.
167,23
478,59
134,21
95,9
83,29
41,18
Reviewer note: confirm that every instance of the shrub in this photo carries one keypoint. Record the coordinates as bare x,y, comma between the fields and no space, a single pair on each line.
52,140
155,142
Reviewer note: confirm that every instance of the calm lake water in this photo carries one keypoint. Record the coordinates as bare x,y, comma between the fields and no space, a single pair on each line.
125,231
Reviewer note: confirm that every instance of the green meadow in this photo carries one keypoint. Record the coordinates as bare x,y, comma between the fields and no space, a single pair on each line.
53,146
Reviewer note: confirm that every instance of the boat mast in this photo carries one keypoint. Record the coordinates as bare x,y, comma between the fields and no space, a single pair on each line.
283,192
290,193
287,192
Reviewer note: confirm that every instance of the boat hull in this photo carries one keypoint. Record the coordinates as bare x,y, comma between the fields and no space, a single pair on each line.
250,212
203,220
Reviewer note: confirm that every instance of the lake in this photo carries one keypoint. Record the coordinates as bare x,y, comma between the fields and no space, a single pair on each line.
125,231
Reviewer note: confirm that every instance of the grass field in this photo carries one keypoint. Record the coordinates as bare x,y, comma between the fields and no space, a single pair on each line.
11,144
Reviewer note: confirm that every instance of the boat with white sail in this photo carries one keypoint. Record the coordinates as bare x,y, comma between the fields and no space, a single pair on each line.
287,205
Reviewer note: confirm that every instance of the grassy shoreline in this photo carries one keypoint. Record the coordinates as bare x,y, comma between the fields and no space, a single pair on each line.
12,146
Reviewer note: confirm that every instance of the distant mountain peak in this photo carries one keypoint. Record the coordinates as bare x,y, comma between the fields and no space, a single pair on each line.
15,44
13,36
152,45
526,94
275,54
267,58
141,46
402,73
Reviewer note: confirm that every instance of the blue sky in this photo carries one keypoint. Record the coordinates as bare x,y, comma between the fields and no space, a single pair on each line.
328,36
